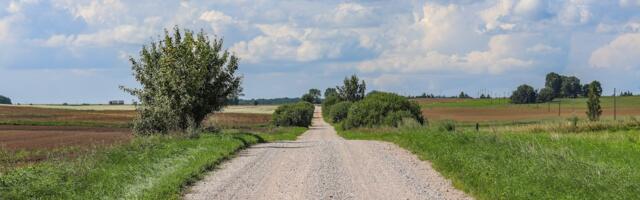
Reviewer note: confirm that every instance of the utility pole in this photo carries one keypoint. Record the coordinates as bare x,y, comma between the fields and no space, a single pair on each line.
614,104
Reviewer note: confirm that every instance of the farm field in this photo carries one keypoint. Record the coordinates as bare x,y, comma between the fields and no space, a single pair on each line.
496,110
89,153
30,134
524,152
262,109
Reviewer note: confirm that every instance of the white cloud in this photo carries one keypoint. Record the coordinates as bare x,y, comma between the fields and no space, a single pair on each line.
543,48
493,16
621,53
500,57
348,15
575,12
94,11
124,34
629,3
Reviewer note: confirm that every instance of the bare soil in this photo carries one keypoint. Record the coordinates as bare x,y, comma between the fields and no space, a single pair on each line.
51,137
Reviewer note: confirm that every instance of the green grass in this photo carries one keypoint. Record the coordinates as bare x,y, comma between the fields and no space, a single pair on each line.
588,165
156,167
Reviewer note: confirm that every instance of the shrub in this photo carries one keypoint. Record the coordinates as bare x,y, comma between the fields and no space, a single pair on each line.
380,108
339,111
184,77
326,105
4,100
298,114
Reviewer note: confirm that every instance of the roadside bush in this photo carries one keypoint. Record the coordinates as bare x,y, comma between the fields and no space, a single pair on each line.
298,114
381,108
326,105
339,111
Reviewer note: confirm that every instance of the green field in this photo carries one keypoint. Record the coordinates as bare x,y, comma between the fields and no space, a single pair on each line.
606,102
513,165
535,157
156,167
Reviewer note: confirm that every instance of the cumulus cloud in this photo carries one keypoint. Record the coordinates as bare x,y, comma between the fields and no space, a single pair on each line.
629,3
497,59
621,53
94,11
575,12
348,15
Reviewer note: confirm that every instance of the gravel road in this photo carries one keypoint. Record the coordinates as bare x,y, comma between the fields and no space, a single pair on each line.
322,165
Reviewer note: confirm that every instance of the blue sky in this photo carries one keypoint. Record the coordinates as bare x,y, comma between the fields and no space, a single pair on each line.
76,50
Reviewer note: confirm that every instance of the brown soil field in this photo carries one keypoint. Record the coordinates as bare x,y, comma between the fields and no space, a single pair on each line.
15,113
437,100
58,136
52,137
515,113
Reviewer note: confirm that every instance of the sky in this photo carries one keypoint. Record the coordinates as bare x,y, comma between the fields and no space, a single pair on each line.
77,51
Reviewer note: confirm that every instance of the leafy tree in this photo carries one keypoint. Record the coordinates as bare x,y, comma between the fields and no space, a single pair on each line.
571,87
554,82
626,94
5,100
524,94
545,95
313,96
330,92
255,103
184,77
463,95
593,103
352,90
585,90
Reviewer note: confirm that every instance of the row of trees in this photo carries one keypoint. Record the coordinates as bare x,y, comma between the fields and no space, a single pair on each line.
526,94
5,100
560,86
556,86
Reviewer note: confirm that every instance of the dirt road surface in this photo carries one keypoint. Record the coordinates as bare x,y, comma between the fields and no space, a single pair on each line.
322,165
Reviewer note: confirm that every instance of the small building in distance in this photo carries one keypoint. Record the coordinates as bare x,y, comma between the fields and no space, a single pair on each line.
116,102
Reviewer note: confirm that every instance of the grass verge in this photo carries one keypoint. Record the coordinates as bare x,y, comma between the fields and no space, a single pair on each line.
592,165
156,167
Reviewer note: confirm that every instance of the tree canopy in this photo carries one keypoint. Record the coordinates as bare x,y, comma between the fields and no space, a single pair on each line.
352,90
593,103
5,100
184,77
524,94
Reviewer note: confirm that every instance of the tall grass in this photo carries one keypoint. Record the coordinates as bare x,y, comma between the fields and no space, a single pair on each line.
511,165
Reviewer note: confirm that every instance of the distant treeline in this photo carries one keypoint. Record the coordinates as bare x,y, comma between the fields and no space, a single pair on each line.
4,100
274,101
462,95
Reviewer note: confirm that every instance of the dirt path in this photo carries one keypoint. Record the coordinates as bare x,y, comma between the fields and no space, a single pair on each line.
322,165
